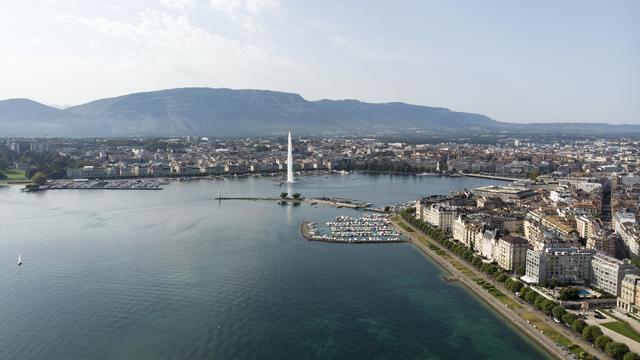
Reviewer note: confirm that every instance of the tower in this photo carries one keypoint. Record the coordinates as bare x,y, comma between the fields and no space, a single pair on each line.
290,161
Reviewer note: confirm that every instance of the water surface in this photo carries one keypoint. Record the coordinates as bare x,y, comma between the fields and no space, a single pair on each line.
173,274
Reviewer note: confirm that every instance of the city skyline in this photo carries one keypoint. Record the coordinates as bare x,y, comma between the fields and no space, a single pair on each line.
529,63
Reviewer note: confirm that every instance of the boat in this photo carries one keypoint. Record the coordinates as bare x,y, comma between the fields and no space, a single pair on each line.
19,259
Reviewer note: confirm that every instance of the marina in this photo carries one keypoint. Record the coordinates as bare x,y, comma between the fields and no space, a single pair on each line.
112,184
370,228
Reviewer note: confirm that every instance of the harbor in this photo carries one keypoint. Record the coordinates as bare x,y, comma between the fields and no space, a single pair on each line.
370,228
111,184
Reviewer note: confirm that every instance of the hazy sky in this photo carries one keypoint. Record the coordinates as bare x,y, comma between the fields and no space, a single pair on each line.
514,61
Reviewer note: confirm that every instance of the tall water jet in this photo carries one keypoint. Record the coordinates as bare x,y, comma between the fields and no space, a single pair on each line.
290,161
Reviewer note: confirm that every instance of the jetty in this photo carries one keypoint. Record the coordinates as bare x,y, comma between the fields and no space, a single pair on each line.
258,198
336,202
339,202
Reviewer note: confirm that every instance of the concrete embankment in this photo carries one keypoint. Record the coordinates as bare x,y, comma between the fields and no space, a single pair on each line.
494,177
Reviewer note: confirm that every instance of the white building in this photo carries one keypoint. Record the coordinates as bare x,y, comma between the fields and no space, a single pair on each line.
567,265
621,218
607,273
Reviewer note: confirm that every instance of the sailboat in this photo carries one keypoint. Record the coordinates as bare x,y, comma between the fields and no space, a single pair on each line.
19,259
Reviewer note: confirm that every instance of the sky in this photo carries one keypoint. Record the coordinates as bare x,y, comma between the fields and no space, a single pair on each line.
515,61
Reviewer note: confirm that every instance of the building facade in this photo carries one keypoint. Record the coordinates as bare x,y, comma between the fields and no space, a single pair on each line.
607,273
512,252
567,265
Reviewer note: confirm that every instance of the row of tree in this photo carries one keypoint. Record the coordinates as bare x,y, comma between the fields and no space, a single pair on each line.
590,333
52,164
382,165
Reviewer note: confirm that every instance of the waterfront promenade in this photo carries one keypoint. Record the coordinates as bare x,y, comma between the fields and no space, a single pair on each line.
517,314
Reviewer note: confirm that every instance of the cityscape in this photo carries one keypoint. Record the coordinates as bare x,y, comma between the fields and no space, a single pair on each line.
335,180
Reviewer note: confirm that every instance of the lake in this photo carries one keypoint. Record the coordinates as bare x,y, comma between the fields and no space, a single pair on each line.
174,274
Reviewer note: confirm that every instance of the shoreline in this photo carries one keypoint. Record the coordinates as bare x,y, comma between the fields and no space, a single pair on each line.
505,312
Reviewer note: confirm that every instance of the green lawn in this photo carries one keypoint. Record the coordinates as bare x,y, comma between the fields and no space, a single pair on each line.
622,329
14,174
548,330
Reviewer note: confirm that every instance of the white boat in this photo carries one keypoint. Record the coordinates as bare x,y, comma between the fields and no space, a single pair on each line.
19,259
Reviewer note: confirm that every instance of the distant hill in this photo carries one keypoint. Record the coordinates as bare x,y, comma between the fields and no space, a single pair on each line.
24,117
254,112
226,112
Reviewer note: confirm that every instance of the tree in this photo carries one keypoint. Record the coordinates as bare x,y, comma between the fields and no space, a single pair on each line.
616,350
296,195
521,270
631,356
578,326
533,174
591,332
570,293
569,318
39,178
558,312
501,278
516,286
602,341
531,297
284,195
523,292
548,305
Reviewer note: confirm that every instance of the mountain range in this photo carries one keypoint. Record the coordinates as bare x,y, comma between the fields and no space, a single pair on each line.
227,112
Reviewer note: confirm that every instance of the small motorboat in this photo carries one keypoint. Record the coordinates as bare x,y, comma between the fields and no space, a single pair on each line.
19,259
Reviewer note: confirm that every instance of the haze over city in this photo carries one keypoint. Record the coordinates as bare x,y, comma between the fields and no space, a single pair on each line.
322,180
545,61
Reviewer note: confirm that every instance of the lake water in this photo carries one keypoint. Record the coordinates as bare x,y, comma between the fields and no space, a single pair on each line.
174,274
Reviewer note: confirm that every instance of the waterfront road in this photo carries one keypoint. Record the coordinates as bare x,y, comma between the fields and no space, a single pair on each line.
507,312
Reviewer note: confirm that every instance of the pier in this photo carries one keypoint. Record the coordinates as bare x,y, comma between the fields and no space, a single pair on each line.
336,202
340,202
258,198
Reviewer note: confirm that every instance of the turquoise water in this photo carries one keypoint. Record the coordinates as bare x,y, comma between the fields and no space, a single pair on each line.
173,274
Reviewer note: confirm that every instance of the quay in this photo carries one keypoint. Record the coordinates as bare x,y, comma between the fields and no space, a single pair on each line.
495,177
509,313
